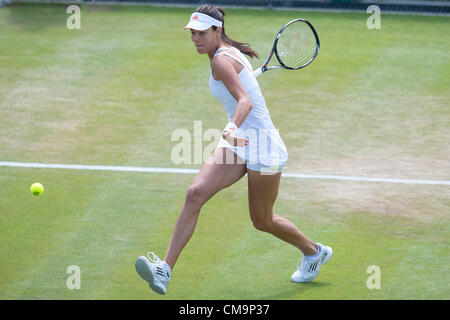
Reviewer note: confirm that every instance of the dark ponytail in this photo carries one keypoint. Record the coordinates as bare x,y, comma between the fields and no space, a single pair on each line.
218,13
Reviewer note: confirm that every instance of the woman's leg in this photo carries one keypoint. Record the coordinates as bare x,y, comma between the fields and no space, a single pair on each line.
216,174
262,193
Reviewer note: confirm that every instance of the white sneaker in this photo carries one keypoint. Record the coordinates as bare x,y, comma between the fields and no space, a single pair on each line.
151,269
310,266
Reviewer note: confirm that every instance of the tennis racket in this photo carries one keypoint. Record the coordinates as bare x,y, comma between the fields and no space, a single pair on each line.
296,45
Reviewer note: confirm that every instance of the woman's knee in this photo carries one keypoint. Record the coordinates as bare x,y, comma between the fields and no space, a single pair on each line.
196,195
262,223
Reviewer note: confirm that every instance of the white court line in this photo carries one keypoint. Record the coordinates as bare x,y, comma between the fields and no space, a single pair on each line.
193,171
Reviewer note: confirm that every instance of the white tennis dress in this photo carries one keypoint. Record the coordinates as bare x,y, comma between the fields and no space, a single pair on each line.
265,148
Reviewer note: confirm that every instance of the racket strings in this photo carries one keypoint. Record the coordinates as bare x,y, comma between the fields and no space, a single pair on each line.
299,44
294,53
296,45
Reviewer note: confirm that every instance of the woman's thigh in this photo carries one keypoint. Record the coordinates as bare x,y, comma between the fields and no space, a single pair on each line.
216,174
262,193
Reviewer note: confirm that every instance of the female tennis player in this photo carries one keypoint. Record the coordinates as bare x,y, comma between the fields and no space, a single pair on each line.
250,145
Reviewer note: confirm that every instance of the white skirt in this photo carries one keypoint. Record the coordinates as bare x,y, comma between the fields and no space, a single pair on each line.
265,147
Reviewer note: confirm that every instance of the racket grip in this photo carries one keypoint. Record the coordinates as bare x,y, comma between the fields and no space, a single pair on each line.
258,72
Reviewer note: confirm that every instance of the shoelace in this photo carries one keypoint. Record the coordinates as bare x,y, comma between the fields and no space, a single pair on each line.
154,258
299,261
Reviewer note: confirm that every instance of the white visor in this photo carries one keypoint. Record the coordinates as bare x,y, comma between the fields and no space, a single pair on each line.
200,21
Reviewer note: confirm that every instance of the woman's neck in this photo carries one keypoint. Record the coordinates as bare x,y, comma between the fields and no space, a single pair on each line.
221,45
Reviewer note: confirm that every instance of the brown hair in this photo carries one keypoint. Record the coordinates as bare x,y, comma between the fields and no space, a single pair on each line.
218,13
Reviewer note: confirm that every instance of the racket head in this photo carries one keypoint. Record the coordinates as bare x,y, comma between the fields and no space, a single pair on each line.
297,44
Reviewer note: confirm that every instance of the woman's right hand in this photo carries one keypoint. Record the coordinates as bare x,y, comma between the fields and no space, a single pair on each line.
233,140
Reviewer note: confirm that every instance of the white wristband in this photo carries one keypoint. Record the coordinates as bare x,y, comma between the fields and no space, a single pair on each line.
231,127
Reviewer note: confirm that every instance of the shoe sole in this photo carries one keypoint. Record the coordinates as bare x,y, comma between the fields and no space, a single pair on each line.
144,270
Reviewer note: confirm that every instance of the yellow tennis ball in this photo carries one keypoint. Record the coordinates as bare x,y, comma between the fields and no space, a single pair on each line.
36,189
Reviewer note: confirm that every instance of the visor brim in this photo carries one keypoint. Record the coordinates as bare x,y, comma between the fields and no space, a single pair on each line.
197,25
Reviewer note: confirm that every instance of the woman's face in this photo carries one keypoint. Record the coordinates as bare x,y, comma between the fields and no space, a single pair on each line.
207,40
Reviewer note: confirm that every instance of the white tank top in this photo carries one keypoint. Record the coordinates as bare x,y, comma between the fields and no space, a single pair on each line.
265,144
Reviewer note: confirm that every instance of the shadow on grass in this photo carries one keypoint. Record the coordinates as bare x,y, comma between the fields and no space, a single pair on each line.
296,289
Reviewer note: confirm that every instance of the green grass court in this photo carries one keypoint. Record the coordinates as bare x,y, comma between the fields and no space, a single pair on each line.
375,103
